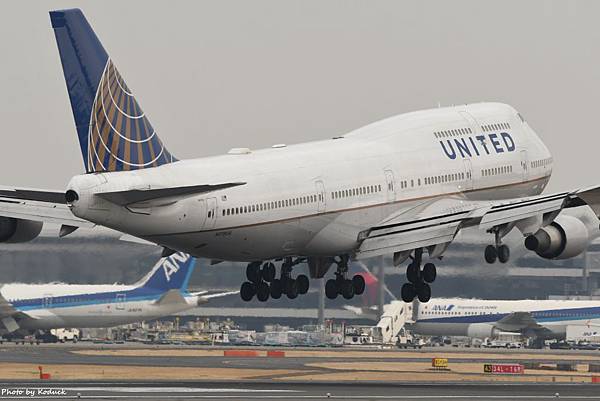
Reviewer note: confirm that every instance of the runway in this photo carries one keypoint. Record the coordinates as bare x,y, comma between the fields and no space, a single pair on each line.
297,391
137,371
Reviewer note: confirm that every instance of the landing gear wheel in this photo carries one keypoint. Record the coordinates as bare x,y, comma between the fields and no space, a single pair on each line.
262,291
253,272
291,288
408,292
331,289
276,289
268,272
503,253
424,292
429,273
358,282
412,273
303,284
490,254
247,291
347,289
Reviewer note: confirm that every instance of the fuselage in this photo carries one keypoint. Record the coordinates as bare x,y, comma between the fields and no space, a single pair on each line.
49,306
313,199
456,316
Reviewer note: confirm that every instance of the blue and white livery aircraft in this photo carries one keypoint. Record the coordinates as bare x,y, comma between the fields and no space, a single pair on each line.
403,186
162,292
487,318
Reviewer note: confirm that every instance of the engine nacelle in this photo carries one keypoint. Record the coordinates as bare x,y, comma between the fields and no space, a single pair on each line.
18,230
564,238
482,330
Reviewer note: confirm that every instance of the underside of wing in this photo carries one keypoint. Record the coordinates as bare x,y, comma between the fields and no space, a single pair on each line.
433,224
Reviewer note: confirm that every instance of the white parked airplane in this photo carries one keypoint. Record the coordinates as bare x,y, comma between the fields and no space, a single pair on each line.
485,318
403,186
25,308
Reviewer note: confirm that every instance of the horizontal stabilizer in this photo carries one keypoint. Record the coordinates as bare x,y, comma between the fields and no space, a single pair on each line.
171,297
129,197
34,195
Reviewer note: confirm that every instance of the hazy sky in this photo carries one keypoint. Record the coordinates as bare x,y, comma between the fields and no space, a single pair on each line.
221,74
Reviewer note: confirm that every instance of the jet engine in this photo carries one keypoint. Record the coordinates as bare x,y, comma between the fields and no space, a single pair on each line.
566,237
18,230
482,330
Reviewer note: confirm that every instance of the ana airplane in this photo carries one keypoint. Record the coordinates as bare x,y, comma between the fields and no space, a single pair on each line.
481,318
403,186
25,308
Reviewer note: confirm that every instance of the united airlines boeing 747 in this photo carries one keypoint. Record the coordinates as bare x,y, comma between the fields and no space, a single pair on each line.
403,186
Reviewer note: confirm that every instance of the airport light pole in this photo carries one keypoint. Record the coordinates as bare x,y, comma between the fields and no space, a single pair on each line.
380,288
321,313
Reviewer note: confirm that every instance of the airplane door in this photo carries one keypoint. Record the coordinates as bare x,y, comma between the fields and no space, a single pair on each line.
120,300
390,187
524,165
468,181
211,212
47,301
320,187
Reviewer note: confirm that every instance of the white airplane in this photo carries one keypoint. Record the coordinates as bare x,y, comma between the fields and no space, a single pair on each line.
25,308
405,186
485,318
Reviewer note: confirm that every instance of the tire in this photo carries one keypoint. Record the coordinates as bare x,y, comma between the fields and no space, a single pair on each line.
424,293
276,289
408,292
262,291
303,284
331,289
412,273
291,288
503,253
268,272
247,291
253,273
429,273
490,254
347,289
358,282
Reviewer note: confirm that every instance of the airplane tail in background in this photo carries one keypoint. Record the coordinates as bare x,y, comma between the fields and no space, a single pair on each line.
170,273
114,133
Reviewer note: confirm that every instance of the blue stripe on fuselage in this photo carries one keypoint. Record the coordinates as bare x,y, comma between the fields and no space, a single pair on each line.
66,301
549,315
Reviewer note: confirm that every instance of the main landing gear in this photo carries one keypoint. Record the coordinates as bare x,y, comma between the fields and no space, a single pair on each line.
498,250
341,285
418,280
263,281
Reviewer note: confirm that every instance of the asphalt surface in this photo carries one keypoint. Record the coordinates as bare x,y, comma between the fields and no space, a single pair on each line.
279,389
295,391
62,354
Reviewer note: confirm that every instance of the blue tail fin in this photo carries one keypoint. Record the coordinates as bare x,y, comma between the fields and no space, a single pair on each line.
172,272
114,133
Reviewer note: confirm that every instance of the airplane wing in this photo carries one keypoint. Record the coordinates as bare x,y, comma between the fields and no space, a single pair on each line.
518,321
207,296
435,223
8,315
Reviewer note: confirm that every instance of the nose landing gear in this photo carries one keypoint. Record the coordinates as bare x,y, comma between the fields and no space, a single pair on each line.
497,251
418,280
